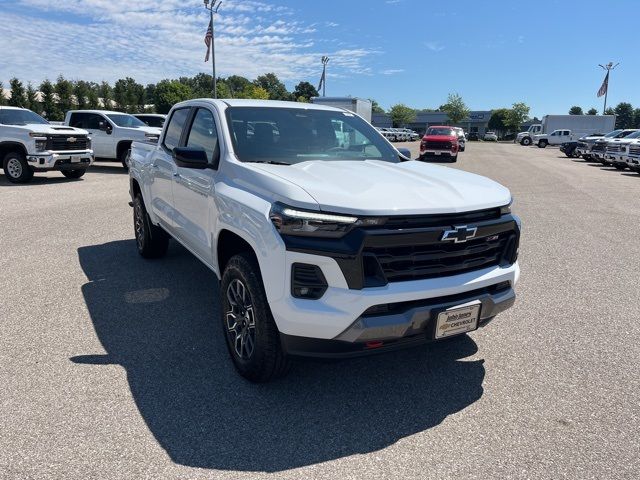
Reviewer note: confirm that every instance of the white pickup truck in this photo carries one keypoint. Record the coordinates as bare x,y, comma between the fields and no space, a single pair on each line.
322,249
111,132
557,137
28,144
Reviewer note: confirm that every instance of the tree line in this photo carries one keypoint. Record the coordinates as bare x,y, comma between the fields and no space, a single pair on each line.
53,99
502,119
626,115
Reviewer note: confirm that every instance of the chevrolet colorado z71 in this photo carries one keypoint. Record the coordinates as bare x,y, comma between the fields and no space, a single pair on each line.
29,143
323,247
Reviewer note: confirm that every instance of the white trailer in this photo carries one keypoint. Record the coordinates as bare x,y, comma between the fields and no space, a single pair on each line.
361,106
580,125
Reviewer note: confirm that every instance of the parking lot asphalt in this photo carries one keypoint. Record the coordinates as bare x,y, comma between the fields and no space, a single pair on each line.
112,366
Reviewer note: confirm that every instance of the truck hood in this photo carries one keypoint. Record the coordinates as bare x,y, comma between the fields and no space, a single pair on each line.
375,187
51,129
140,131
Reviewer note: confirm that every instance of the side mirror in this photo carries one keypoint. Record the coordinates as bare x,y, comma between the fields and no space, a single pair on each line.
186,157
405,153
105,127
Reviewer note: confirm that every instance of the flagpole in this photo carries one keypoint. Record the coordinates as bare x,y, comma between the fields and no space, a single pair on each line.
213,8
608,67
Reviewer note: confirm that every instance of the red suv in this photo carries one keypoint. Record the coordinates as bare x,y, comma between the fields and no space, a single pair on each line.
440,142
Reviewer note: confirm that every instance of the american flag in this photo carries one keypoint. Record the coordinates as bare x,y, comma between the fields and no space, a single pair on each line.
604,87
207,40
322,80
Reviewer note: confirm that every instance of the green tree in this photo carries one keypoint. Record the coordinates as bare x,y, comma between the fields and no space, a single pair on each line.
254,92
222,88
455,108
375,107
81,91
575,110
17,98
129,95
498,119
237,84
64,91
305,90
105,92
624,115
50,108
3,100
93,96
401,115
274,87
636,118
170,92
609,111
592,111
517,115
32,99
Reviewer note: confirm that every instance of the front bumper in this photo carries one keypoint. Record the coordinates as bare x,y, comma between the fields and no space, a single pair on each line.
437,153
410,324
71,160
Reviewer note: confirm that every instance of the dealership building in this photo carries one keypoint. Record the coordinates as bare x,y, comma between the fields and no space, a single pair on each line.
477,121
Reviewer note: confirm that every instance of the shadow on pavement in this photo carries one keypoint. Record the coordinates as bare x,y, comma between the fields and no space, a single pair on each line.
38,180
158,319
107,167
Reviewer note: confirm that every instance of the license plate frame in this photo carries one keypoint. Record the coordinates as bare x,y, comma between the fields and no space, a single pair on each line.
76,159
457,319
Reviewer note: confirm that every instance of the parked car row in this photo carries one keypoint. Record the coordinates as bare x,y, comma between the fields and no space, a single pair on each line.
399,134
619,149
30,144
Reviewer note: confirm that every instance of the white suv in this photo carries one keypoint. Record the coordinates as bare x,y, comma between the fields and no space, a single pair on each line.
322,250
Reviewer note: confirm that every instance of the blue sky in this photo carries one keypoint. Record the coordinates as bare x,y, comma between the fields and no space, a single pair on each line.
493,53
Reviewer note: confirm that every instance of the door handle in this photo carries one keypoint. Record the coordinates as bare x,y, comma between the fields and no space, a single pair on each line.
177,175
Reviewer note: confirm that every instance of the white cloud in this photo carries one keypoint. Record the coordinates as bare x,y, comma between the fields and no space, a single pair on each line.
520,38
392,71
434,46
150,40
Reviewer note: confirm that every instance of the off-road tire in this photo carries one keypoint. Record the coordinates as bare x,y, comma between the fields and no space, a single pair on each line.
151,241
268,360
16,168
74,173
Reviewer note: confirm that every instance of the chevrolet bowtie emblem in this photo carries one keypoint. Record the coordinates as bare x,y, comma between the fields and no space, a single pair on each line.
459,234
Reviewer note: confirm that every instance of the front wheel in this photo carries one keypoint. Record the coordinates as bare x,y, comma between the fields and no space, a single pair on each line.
526,142
152,241
454,159
250,331
619,167
74,173
16,168
125,157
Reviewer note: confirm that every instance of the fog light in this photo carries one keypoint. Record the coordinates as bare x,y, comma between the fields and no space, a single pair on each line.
307,281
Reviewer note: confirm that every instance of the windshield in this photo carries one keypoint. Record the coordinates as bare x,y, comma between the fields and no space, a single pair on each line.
635,134
8,116
125,120
294,135
613,134
440,131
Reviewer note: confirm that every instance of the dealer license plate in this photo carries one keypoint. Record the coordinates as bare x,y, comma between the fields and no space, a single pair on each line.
458,319
75,159
437,153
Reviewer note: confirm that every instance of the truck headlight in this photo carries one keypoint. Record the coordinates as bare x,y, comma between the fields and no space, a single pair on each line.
152,137
41,144
506,209
294,221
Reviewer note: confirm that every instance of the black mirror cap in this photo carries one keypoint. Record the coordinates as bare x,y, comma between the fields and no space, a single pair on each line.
189,157
405,152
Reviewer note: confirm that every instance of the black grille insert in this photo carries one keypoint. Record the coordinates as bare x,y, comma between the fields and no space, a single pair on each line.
61,143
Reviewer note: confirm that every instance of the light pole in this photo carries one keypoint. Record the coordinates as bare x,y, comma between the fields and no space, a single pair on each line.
213,8
325,60
608,67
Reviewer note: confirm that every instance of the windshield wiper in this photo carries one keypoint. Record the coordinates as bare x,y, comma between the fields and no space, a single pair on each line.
270,162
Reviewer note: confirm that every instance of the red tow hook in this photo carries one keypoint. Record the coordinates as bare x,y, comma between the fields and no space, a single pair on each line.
374,344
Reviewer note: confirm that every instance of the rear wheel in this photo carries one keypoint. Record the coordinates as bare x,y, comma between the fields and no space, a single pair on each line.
152,241
16,168
250,331
542,144
73,173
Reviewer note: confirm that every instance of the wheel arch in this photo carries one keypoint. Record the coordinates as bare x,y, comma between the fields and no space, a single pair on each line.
7,147
229,244
122,145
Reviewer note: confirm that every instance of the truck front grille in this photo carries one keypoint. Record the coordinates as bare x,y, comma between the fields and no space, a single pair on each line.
582,145
613,147
62,143
437,145
417,262
634,150
598,147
